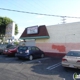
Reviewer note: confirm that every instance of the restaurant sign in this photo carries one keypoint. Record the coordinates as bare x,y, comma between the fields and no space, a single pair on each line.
32,30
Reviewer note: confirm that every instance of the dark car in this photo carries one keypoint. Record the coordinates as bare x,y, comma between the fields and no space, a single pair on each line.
10,51
29,52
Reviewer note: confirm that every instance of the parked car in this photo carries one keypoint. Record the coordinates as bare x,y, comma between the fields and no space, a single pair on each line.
29,52
10,51
3,47
72,59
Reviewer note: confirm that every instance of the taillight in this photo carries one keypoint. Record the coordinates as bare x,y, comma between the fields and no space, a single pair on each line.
78,61
27,51
64,59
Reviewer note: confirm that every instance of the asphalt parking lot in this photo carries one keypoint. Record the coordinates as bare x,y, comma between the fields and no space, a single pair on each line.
46,68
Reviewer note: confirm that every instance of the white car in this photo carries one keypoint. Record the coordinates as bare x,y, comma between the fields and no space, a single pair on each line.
72,59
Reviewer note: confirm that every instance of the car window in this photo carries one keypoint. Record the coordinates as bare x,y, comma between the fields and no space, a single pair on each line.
37,48
79,54
29,48
33,48
73,53
22,48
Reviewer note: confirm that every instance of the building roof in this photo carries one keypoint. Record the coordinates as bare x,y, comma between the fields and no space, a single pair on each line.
42,33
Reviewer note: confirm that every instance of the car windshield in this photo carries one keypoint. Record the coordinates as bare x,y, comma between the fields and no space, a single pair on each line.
74,53
8,46
22,48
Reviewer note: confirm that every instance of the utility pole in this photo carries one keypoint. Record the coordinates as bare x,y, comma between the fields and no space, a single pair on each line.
63,19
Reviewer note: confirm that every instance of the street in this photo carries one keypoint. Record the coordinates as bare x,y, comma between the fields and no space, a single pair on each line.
46,68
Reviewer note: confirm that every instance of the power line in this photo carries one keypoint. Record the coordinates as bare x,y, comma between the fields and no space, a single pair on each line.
38,13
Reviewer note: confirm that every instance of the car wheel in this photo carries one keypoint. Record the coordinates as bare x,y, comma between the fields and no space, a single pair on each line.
42,55
30,57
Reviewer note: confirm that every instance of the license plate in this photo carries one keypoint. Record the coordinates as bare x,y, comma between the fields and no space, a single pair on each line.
71,65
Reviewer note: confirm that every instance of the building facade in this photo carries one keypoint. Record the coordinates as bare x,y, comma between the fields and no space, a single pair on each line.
56,39
10,31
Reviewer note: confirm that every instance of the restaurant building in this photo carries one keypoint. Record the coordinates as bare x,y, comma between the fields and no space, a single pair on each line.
54,40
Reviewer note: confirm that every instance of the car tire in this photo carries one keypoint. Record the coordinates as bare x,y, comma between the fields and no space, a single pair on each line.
42,55
30,57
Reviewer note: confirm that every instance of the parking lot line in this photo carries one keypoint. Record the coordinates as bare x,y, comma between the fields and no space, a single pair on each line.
53,66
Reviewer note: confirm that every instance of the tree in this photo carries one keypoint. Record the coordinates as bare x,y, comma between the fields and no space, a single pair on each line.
4,21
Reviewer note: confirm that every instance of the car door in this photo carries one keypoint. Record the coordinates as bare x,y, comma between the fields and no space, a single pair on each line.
33,51
38,52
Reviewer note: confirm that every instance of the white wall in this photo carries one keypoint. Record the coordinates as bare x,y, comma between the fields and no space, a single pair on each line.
62,33
63,37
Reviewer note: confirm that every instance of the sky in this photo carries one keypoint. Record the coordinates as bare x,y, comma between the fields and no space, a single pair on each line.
53,7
